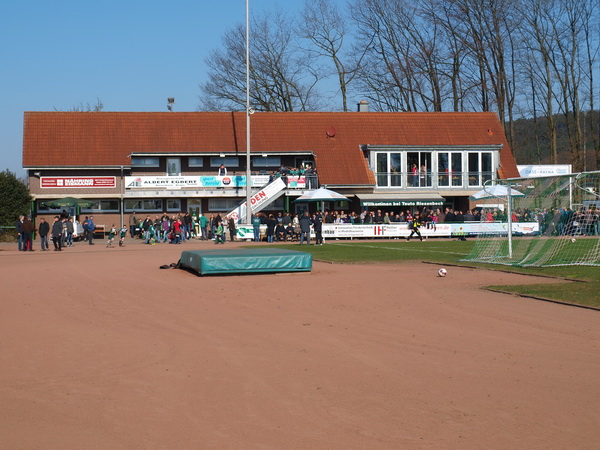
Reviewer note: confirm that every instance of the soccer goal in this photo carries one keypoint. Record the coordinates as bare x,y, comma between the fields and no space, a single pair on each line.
540,222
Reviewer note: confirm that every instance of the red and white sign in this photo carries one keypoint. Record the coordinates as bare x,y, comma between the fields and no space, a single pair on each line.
78,182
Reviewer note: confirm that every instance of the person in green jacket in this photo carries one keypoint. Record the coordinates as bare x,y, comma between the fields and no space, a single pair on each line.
203,227
219,235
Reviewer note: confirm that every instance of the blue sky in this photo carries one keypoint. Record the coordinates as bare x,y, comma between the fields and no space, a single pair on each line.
130,54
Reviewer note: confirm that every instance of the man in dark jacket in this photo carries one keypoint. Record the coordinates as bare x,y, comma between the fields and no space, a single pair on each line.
57,229
305,223
91,228
27,234
43,231
318,227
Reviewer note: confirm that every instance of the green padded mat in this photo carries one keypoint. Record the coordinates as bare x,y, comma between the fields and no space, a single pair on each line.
263,260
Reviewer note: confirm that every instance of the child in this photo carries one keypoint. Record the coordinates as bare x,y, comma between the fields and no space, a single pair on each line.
111,236
122,235
220,234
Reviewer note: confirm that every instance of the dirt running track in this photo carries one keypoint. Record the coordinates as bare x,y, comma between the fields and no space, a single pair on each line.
99,349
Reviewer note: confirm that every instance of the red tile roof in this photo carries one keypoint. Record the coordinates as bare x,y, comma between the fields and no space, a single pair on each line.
78,139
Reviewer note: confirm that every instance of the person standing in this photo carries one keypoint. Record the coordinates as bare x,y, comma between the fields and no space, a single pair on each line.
222,170
318,227
305,223
91,228
414,227
204,227
256,227
231,227
132,224
85,224
43,231
271,224
70,230
57,229
19,229
27,234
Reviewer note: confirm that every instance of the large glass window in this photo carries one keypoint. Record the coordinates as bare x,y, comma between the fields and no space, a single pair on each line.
173,167
419,168
443,169
396,169
222,204
102,206
456,165
137,161
174,205
269,161
474,175
144,205
382,169
230,161
486,167
196,162
388,169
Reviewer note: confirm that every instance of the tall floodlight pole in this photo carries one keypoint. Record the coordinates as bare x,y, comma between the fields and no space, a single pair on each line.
248,173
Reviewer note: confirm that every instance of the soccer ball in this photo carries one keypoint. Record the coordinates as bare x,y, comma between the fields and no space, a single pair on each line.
442,272
573,239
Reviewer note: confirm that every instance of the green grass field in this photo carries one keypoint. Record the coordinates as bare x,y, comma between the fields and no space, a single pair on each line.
450,252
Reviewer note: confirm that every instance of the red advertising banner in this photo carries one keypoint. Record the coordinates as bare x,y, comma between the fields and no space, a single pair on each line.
78,182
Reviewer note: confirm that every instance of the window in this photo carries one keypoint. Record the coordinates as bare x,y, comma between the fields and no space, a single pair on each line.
222,204
173,167
269,161
456,169
382,169
389,169
144,162
486,167
419,168
480,168
102,206
230,161
474,175
174,205
143,205
196,162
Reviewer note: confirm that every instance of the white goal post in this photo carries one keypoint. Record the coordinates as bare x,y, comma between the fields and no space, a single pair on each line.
565,210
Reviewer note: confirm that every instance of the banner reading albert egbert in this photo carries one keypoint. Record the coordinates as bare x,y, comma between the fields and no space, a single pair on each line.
258,200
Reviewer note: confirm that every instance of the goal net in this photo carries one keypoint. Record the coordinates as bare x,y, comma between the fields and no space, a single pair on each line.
539,222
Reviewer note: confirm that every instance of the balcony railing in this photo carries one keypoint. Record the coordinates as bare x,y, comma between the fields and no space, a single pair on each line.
432,180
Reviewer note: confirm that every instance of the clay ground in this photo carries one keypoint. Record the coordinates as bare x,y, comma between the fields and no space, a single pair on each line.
100,349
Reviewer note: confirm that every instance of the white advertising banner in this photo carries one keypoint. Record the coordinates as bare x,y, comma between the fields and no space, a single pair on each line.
187,182
78,182
401,230
544,170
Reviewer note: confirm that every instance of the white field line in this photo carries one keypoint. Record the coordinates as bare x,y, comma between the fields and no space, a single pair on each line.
428,249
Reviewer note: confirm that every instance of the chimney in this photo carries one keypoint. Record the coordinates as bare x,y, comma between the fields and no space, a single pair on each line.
363,106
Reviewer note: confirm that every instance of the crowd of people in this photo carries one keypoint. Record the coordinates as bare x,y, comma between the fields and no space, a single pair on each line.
290,227
62,232
179,228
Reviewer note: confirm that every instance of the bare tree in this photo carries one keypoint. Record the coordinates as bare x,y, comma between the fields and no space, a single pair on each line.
325,29
280,77
99,106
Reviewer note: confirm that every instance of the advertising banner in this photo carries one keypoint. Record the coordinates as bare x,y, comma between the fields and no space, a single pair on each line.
401,230
78,182
187,182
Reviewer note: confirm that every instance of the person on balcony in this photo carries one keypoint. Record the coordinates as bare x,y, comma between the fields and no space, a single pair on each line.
415,175
222,170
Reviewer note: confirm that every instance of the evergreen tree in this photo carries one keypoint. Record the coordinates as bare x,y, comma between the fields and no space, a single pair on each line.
15,199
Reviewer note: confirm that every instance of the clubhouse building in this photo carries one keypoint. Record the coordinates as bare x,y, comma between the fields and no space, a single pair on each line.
151,162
